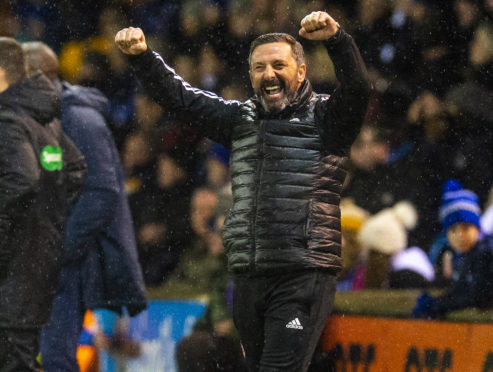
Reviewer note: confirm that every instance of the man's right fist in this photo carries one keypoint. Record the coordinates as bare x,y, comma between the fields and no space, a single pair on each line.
131,40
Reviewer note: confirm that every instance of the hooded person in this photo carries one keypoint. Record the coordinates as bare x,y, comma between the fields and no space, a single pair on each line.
472,256
41,172
100,264
384,235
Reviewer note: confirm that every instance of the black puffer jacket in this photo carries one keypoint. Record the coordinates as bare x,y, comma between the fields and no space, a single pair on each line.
287,170
40,172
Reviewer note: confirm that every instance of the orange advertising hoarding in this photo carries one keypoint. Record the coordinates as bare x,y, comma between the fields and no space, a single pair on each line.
364,344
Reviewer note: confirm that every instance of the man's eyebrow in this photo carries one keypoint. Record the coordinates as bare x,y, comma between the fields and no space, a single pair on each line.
273,62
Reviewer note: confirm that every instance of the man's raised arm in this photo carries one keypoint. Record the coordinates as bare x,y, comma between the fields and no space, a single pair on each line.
205,109
344,112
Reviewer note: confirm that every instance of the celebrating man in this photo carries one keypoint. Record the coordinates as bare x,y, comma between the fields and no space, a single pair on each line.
289,148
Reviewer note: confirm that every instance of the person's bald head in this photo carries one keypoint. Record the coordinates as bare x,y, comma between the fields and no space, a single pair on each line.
41,57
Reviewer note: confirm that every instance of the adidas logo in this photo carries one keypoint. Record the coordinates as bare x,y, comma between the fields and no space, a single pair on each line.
294,324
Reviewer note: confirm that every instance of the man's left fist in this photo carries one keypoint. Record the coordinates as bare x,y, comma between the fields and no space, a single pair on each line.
318,26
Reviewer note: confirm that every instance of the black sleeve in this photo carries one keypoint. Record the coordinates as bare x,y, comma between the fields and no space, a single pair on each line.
342,114
205,110
457,298
19,168
19,177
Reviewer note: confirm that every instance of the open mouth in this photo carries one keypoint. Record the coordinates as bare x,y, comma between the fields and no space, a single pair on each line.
273,90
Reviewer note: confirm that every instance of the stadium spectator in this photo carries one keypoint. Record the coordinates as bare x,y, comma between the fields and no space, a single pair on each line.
382,236
411,268
472,256
352,275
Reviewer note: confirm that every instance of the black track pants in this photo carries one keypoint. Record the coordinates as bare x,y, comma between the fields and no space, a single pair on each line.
280,318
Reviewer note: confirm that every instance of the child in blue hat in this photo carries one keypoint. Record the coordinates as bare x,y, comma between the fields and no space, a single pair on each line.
472,256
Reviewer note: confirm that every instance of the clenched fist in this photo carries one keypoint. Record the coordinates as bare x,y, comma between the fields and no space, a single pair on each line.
318,26
131,40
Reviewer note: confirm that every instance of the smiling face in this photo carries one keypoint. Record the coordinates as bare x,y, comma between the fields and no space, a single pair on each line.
275,75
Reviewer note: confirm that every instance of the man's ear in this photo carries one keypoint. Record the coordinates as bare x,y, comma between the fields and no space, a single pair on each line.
301,72
4,84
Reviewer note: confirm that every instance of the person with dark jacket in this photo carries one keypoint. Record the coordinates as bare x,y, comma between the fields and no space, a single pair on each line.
101,268
471,252
41,172
289,149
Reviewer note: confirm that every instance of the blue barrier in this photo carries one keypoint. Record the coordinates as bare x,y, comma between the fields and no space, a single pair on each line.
158,330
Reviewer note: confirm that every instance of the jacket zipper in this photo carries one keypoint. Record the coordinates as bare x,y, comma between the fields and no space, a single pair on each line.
258,173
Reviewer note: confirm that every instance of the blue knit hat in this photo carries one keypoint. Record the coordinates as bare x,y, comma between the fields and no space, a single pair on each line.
458,205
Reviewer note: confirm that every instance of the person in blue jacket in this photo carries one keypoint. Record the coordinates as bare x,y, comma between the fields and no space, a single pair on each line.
101,268
471,283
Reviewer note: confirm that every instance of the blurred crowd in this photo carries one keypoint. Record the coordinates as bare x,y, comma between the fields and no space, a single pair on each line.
430,119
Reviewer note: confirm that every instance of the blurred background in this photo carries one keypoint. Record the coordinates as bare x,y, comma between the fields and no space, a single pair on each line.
429,119
430,116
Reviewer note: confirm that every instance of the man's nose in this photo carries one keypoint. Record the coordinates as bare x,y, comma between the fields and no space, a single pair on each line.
269,73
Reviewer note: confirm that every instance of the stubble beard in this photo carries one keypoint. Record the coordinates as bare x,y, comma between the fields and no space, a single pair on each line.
275,107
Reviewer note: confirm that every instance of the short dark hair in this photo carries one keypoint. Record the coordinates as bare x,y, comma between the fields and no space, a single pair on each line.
12,60
279,37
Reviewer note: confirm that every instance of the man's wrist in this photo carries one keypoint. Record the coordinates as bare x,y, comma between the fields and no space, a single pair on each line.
336,36
142,59
147,52
337,31
337,40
